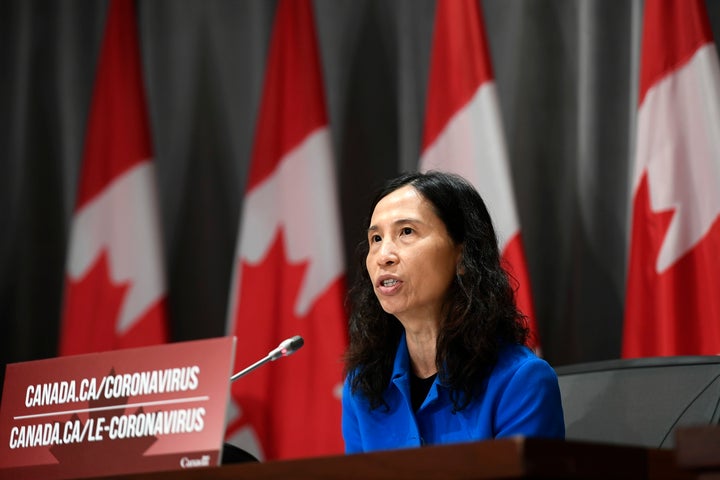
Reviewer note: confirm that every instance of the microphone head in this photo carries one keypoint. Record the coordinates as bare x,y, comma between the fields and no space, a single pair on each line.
287,347
295,343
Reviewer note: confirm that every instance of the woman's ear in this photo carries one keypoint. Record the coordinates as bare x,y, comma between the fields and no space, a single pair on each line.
460,265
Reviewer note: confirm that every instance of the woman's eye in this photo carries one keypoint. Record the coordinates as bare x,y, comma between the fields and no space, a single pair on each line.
407,231
375,238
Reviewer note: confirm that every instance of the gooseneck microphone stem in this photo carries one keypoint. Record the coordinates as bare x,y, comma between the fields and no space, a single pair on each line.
286,347
249,369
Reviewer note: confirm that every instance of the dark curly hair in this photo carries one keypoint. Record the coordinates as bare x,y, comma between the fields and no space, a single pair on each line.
480,314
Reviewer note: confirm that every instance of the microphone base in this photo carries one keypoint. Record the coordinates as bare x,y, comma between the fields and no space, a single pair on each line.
233,454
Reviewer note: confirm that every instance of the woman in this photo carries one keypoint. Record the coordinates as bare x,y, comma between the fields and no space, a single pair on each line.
437,346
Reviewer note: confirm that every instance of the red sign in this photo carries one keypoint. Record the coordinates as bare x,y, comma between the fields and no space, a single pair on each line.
123,411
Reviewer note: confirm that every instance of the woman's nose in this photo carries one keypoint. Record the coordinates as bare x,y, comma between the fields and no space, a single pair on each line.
388,253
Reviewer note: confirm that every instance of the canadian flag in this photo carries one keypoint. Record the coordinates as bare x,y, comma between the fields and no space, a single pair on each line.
289,274
672,305
115,286
464,134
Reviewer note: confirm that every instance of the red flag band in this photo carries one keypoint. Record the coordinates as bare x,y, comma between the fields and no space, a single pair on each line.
289,275
672,302
115,286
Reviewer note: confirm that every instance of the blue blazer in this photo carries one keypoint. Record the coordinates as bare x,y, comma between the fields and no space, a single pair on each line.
521,396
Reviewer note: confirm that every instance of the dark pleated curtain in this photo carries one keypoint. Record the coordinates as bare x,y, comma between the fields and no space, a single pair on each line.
566,73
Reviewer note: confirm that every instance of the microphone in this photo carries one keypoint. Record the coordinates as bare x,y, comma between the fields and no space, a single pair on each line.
286,347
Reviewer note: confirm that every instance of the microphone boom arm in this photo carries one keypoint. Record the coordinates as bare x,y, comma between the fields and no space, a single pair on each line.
286,347
249,369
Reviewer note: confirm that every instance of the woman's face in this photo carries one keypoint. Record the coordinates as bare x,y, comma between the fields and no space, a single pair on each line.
412,259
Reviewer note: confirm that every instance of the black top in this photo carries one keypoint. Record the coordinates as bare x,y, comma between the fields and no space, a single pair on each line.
419,388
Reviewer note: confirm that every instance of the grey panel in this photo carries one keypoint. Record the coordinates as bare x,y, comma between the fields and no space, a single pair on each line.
639,401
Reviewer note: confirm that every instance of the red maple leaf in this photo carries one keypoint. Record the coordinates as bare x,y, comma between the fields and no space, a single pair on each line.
269,292
100,457
677,305
290,404
92,306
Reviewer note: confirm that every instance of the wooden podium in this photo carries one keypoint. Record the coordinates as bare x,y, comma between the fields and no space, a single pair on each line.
698,449
513,458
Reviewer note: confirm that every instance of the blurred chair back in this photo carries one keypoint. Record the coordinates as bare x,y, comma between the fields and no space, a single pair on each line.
639,401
